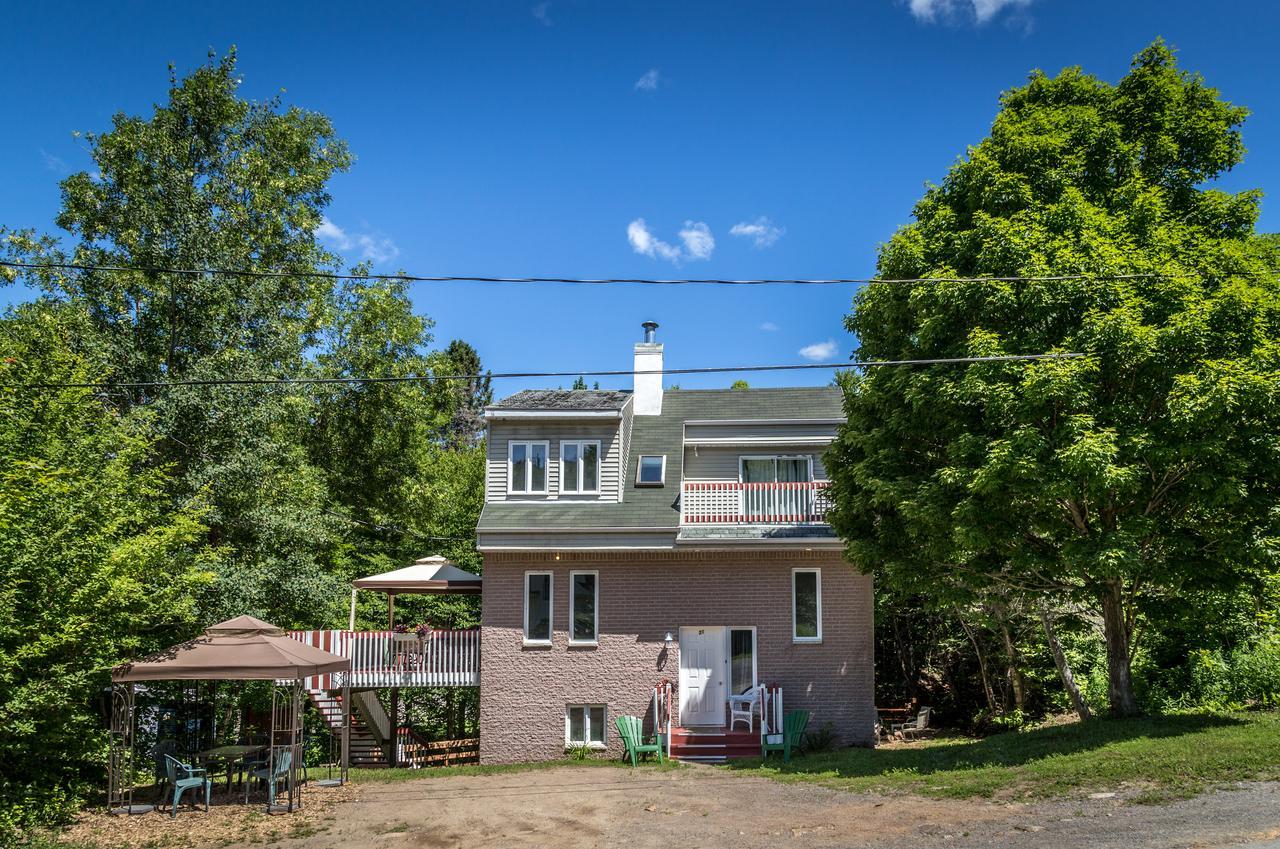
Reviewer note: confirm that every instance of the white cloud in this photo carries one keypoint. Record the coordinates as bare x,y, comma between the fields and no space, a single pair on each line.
644,242
696,242
762,232
53,163
769,326
649,81
334,235
377,247
371,245
819,351
542,12
981,11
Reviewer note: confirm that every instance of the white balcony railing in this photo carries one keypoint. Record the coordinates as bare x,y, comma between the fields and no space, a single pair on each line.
441,658
732,503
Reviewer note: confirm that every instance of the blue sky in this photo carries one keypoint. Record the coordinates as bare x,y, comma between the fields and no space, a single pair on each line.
575,138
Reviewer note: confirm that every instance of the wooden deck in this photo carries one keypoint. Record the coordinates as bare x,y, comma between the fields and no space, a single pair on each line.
443,658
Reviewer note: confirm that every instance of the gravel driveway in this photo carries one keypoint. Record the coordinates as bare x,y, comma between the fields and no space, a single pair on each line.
588,807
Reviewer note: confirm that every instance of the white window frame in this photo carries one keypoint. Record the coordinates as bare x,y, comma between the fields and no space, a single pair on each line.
551,609
742,458
755,655
662,475
586,726
581,466
528,467
818,572
595,640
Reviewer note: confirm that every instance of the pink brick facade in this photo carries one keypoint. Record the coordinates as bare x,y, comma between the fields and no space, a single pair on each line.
642,596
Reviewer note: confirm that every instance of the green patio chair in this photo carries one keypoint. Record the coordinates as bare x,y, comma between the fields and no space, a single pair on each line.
793,726
274,773
631,729
183,777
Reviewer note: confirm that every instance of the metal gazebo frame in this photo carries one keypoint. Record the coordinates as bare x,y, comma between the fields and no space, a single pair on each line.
239,649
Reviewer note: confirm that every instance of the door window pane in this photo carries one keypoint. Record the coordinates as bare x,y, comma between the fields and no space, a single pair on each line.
584,606
537,611
806,598
793,469
741,660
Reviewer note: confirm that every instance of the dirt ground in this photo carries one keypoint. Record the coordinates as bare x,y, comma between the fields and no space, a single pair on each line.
699,806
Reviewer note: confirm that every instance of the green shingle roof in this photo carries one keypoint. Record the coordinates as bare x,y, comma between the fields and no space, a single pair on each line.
658,507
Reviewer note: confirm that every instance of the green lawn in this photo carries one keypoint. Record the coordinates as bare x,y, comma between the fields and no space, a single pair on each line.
1157,759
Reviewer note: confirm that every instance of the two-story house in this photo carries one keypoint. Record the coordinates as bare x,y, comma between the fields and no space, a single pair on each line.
663,554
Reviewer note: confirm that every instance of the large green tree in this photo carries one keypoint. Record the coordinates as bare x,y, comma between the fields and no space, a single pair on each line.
1147,469
96,566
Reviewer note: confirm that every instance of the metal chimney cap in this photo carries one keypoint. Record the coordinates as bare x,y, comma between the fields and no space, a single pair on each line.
650,329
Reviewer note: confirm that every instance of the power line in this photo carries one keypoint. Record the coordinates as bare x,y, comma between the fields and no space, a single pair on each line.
301,381
762,281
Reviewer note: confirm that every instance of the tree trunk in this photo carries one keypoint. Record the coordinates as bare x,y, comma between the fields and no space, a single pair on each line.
1115,629
982,664
1064,666
1011,655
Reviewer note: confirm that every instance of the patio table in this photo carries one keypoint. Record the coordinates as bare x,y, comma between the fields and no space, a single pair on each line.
230,755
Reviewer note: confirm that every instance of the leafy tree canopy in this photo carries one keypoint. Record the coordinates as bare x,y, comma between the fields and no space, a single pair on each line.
1146,469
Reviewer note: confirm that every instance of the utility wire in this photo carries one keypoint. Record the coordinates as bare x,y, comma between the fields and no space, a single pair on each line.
763,281
299,381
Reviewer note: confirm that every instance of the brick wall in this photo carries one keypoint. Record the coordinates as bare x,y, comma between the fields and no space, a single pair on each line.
643,595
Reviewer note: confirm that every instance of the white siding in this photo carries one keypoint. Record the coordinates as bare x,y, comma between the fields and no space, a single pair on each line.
501,433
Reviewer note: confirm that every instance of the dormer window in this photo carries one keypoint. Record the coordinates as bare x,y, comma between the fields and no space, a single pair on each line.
527,467
651,470
580,466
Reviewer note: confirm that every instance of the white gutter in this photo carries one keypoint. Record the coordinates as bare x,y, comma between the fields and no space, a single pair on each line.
764,421
553,414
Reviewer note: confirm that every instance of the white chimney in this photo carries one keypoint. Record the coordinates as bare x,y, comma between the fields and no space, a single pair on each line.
648,387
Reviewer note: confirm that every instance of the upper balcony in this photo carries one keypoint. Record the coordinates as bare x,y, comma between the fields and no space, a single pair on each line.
783,504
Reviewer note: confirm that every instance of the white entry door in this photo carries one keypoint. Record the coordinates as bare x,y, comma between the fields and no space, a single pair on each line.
703,693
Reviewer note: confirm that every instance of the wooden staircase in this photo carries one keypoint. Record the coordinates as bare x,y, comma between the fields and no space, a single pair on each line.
713,745
366,750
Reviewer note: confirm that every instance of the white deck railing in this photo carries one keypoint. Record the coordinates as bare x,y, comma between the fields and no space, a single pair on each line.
441,658
732,503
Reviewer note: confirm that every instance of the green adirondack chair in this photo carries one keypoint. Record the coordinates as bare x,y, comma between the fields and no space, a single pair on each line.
631,729
793,726
183,777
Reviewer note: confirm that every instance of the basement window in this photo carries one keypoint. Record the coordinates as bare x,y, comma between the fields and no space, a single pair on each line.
651,470
584,725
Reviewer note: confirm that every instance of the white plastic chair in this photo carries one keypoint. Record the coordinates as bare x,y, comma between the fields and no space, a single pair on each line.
743,707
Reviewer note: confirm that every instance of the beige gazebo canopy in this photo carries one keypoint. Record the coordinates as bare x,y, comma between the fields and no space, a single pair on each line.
240,649
426,576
